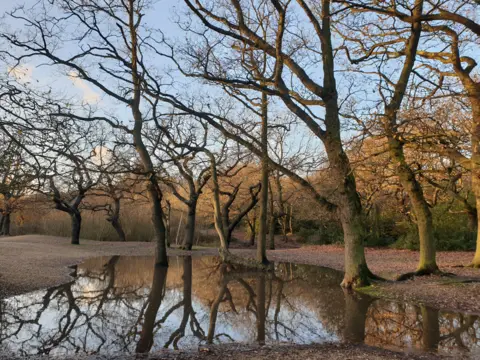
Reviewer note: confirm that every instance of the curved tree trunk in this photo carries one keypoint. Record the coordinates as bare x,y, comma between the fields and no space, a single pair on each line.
427,262
252,224
160,233
76,227
119,229
190,227
475,139
114,219
476,257
350,213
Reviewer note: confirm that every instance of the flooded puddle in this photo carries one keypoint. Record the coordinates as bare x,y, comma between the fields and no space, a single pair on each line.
122,304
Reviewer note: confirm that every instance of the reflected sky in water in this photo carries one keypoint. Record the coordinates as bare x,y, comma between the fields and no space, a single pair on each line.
125,304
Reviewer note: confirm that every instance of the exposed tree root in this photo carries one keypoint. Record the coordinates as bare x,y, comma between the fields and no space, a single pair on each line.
423,272
365,279
473,266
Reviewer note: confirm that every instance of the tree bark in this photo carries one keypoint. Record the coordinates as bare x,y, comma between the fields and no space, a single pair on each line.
262,229
190,227
5,224
76,227
349,211
252,224
119,229
476,257
2,220
427,262
154,191
273,221
475,139
114,219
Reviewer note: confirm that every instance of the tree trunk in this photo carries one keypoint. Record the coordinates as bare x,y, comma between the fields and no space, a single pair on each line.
168,224
271,232
273,221
349,210
159,230
356,270
262,229
475,139
427,263
2,220
154,191
119,229
115,220
290,220
476,258
190,227
253,228
6,221
76,227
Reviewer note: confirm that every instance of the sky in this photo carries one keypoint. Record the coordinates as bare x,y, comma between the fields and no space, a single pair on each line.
67,83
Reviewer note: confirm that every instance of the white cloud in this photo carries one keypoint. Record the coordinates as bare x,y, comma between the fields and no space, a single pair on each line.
101,155
89,96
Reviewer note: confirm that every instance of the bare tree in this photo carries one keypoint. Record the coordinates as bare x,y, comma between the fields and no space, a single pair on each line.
242,34
110,36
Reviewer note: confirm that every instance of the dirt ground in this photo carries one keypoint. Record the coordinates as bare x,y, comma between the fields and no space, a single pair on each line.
275,352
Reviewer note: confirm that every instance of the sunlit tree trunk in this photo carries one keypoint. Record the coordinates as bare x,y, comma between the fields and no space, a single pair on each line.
475,138
423,216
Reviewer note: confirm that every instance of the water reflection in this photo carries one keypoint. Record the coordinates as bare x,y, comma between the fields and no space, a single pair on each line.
125,304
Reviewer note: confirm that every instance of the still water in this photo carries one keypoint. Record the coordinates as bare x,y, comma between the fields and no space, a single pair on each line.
123,304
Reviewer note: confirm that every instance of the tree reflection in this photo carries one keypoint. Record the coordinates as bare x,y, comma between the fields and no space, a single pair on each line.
356,308
154,300
122,304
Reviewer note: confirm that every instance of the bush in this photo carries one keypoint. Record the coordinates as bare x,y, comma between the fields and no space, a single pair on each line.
320,234
451,232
